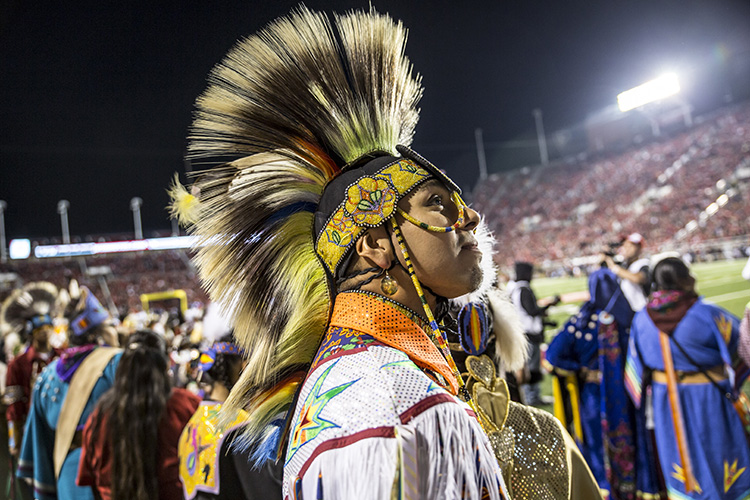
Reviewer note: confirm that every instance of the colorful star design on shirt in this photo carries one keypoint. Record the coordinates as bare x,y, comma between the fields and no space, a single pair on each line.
407,363
310,423
731,474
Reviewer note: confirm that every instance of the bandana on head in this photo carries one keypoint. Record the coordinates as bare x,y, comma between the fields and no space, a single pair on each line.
39,321
666,308
208,358
93,315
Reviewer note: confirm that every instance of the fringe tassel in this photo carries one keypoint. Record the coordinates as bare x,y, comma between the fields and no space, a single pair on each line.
452,459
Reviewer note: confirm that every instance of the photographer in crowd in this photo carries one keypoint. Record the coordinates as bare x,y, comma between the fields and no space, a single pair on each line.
633,274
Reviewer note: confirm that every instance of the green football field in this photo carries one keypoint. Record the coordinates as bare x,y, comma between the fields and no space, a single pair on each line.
718,282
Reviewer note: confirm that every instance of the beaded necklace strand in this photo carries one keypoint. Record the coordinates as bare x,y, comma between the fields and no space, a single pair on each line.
437,333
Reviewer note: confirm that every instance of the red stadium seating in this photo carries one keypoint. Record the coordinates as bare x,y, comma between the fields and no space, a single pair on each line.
572,208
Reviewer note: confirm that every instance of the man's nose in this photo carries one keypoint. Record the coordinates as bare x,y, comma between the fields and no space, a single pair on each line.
471,219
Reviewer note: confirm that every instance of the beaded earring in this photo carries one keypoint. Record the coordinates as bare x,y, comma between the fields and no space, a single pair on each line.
388,285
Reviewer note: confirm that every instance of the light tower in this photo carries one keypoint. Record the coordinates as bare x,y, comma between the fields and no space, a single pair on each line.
3,248
541,138
62,209
135,206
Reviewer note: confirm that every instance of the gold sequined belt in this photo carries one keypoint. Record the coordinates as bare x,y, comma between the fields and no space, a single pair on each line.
593,376
716,373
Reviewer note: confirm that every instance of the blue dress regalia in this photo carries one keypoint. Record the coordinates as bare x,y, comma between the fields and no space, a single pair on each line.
715,440
36,458
590,348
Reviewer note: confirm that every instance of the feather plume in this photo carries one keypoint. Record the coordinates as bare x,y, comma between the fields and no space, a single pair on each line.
184,206
22,304
256,258
511,345
297,87
283,114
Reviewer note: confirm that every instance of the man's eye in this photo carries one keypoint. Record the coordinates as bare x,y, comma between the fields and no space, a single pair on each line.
435,199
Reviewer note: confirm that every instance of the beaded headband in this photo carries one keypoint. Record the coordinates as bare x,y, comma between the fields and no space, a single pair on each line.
371,199
39,321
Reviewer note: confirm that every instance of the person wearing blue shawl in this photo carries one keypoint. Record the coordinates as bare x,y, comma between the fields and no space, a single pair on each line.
587,357
63,398
685,351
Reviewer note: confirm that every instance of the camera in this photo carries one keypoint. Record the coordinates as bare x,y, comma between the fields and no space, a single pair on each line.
610,250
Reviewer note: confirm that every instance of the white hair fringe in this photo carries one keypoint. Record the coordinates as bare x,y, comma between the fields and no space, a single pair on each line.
511,346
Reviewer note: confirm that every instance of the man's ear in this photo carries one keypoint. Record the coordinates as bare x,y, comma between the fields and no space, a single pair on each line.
375,247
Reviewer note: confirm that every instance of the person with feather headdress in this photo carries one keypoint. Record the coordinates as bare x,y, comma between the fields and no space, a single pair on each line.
27,312
332,242
64,396
211,464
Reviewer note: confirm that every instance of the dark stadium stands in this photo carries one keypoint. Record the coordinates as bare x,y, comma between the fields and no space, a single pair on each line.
128,275
551,214
572,208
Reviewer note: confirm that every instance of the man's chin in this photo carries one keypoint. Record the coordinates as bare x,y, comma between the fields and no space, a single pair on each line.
476,275
472,284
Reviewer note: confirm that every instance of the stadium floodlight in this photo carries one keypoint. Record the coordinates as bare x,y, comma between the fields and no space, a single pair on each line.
20,248
62,208
3,251
654,90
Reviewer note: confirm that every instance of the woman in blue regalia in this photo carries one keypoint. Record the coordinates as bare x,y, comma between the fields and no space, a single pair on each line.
588,358
686,347
51,446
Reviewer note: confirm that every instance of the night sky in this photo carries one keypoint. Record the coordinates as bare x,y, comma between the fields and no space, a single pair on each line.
96,97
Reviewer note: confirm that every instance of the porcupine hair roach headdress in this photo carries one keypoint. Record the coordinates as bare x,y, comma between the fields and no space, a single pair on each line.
28,308
316,113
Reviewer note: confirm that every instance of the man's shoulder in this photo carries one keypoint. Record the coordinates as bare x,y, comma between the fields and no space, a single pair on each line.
373,388
49,372
180,397
642,325
340,341
711,312
351,409
18,363
374,363
640,265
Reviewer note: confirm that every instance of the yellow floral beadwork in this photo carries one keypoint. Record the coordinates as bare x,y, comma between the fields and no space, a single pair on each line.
199,447
369,202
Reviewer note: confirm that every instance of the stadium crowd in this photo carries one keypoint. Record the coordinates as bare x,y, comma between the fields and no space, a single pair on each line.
89,420
127,275
575,207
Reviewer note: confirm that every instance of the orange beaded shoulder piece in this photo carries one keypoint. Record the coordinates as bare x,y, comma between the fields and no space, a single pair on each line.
391,325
